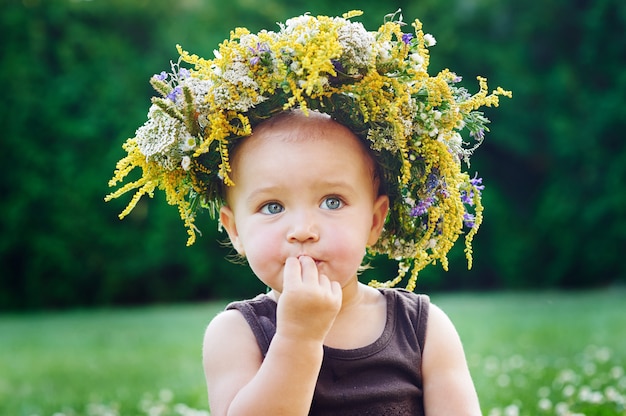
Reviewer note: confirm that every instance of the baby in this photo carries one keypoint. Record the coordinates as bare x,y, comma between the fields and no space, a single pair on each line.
315,145
306,205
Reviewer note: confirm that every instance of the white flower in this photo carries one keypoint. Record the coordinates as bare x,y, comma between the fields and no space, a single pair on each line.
237,75
199,89
296,22
616,372
383,50
511,410
189,143
356,43
429,40
185,163
417,58
157,134
545,404
569,390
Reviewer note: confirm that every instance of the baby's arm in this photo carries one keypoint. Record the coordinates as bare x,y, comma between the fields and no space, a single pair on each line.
240,381
448,385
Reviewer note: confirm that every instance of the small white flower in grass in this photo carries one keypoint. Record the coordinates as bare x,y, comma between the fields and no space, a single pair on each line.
603,354
545,404
569,390
586,394
544,391
166,395
589,369
613,395
503,380
562,409
567,376
511,410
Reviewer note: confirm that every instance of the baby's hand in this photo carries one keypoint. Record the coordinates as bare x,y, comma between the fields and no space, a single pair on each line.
309,302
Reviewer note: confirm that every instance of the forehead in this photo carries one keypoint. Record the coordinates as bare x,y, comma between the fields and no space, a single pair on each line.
309,148
293,130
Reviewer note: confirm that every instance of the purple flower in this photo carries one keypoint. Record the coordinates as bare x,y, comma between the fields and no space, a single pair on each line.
478,135
406,38
176,92
183,73
477,183
338,66
258,52
469,220
477,186
422,207
467,197
263,47
432,181
161,77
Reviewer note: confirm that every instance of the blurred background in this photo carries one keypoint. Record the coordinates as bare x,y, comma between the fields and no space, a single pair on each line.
75,76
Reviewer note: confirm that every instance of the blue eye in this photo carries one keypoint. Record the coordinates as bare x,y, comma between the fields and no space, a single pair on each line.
332,203
272,208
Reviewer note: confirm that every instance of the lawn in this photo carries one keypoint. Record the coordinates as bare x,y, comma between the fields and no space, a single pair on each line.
551,353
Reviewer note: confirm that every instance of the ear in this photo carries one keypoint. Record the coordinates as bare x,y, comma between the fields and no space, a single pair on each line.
227,219
381,207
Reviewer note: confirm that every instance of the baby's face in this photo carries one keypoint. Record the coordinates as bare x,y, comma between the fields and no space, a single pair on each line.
303,186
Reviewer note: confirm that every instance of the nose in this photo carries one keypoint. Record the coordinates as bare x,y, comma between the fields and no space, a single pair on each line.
303,228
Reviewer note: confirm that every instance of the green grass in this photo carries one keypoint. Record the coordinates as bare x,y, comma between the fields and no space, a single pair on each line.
546,353
530,354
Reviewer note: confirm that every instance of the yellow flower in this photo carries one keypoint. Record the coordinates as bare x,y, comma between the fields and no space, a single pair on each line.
376,83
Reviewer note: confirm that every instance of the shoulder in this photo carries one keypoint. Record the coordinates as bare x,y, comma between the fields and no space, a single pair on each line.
231,329
442,339
230,356
448,386
415,306
406,299
228,332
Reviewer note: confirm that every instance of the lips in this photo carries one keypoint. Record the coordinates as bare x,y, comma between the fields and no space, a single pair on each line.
317,262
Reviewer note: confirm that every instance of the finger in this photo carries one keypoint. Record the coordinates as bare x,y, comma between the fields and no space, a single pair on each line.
292,273
335,288
308,269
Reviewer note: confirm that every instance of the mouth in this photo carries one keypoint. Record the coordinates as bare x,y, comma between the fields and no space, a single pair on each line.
317,262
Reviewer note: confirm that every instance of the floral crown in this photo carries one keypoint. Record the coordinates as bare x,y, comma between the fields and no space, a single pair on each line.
375,83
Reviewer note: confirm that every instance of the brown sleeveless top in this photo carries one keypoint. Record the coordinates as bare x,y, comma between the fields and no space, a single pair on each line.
383,378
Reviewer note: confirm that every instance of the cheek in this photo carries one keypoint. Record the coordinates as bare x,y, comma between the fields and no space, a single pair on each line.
347,246
264,255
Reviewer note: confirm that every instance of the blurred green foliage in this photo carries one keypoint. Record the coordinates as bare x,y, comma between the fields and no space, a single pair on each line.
75,80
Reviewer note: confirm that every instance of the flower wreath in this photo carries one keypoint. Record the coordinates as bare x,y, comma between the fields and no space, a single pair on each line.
375,83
